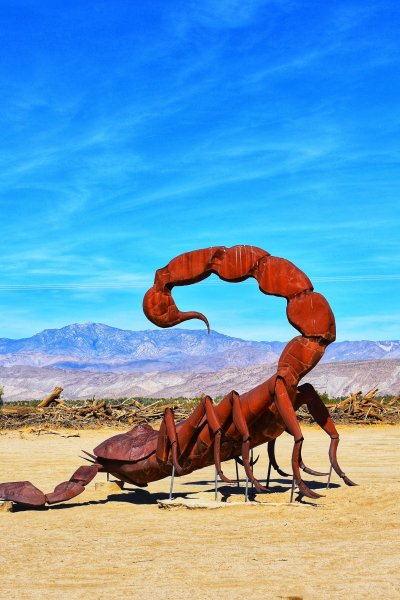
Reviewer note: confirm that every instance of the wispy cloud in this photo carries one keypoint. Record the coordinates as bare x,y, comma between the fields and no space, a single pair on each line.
230,14
132,136
129,281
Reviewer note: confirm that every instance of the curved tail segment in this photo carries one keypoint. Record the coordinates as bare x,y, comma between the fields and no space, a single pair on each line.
307,311
230,264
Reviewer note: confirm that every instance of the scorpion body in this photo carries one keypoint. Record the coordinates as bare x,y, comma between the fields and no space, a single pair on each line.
216,433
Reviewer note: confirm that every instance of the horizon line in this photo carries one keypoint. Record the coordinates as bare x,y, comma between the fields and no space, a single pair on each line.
201,331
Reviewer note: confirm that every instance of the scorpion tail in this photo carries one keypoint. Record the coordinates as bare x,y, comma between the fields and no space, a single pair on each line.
230,264
192,267
26,494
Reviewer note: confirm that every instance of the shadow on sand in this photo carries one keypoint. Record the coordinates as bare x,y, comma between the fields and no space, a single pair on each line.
133,495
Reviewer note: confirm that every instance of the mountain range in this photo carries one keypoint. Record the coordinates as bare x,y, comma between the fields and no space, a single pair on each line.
93,359
98,347
335,378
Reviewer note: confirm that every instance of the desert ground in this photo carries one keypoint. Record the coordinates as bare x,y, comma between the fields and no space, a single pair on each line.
345,545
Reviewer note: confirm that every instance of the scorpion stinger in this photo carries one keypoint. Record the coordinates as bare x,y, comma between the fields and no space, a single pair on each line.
212,434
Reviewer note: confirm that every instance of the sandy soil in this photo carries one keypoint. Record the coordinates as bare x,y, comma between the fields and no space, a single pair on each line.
346,545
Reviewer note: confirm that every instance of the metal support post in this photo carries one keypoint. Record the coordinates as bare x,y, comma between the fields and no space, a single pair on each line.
329,478
292,490
251,464
171,487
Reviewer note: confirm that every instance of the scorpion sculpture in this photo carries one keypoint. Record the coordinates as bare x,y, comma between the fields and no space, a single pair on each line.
216,433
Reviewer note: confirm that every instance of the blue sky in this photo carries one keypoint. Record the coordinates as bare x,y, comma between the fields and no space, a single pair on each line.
135,131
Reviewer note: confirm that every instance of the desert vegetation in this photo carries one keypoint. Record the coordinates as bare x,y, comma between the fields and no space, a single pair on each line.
54,412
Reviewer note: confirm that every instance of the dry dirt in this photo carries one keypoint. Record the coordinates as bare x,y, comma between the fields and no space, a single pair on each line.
346,545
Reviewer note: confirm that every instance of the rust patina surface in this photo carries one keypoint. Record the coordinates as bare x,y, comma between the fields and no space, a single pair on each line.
215,433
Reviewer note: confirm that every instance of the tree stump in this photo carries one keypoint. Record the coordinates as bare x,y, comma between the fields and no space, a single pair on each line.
54,397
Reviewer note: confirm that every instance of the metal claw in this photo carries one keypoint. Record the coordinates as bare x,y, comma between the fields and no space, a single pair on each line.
23,492
348,481
304,490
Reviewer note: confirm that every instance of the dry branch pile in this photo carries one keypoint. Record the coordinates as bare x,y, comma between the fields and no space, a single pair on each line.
357,408
88,415
54,413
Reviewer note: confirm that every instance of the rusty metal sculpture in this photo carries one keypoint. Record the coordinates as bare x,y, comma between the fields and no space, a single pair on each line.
216,433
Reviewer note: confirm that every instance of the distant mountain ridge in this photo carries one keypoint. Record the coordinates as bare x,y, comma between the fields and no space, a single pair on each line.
335,378
99,347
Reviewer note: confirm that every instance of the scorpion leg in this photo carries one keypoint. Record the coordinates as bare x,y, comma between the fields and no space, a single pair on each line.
309,396
272,459
241,426
306,469
204,414
216,428
288,415
274,464
168,440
